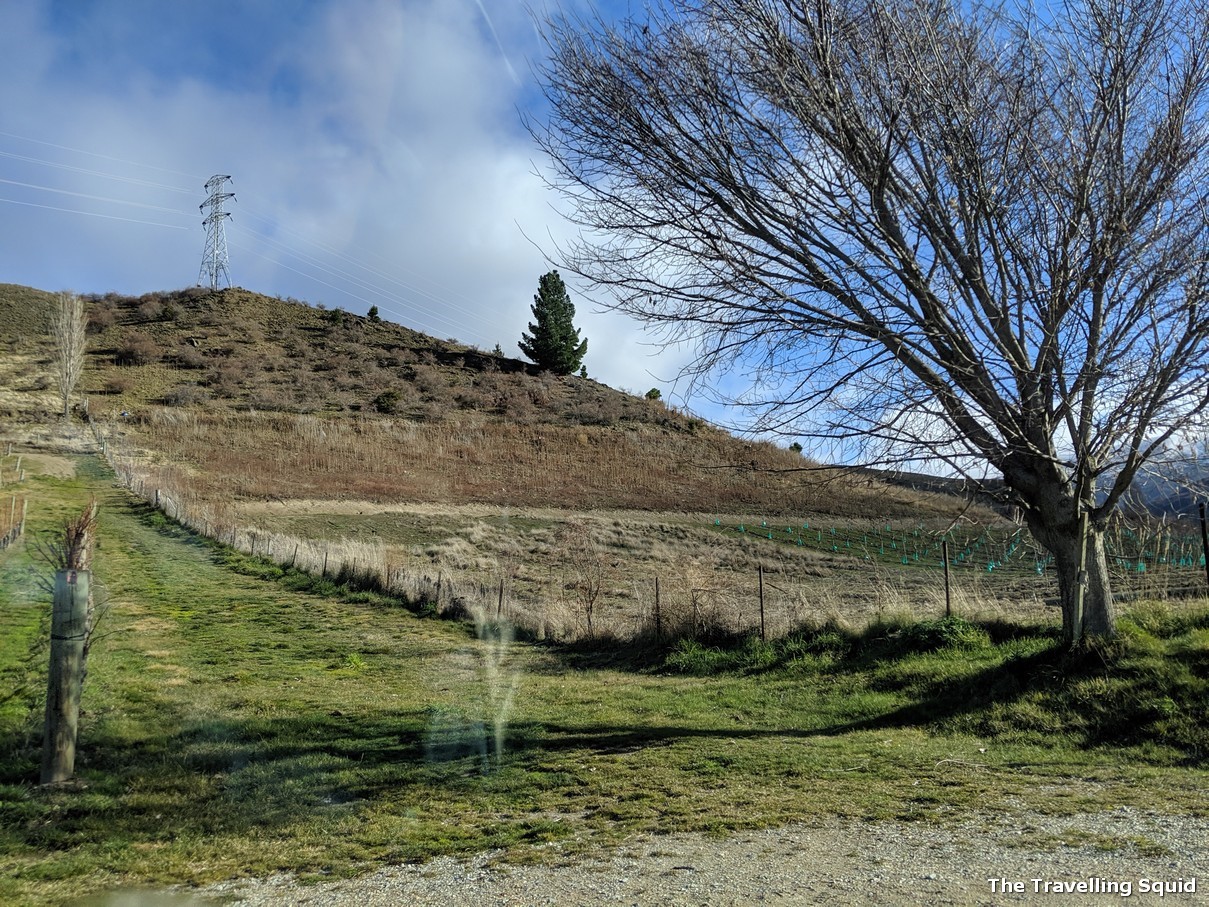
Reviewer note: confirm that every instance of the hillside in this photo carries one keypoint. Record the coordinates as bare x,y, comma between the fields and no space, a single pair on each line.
235,349
263,398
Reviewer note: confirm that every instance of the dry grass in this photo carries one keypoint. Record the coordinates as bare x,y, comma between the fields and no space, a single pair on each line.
555,572
469,459
569,573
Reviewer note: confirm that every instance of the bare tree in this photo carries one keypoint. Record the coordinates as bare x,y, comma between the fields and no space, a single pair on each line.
589,569
68,332
941,230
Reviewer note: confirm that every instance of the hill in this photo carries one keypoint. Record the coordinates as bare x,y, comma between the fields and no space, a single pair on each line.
262,397
235,349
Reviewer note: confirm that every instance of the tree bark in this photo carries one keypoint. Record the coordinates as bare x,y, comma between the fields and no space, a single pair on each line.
1098,616
1061,535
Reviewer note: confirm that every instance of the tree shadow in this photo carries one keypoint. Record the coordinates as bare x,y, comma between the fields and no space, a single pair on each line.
220,774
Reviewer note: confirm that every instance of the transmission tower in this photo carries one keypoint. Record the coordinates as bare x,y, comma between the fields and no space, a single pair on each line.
214,258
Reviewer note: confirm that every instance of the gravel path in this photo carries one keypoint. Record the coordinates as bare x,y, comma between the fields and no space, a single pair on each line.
835,861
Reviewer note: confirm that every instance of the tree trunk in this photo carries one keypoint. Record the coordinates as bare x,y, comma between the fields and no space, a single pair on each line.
1097,616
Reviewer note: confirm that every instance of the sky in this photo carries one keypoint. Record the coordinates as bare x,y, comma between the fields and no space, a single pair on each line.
376,151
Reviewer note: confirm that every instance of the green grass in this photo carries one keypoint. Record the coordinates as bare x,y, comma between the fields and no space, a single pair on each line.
241,720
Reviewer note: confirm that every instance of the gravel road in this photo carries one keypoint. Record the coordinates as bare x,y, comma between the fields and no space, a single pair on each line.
1118,856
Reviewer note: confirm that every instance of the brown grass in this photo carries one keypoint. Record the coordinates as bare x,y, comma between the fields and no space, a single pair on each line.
544,560
468,459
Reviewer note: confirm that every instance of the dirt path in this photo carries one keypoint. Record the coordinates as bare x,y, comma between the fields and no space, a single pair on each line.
1116,856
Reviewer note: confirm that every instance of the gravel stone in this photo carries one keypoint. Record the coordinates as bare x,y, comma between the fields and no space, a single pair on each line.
832,861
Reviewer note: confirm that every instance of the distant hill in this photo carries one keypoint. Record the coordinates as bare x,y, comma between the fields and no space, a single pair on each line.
238,349
203,354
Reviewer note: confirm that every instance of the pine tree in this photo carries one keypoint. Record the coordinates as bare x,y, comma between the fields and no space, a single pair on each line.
553,340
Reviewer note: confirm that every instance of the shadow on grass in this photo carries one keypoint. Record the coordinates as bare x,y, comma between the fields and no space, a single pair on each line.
240,775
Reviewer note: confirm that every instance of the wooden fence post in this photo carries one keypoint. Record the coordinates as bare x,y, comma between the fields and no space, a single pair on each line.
1205,540
658,620
760,569
499,608
67,637
944,554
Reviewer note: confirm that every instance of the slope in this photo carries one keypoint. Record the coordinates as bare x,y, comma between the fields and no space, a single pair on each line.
262,397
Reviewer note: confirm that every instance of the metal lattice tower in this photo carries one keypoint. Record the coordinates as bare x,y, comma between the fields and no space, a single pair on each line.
214,258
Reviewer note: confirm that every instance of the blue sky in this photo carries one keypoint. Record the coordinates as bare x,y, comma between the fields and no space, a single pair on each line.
375,146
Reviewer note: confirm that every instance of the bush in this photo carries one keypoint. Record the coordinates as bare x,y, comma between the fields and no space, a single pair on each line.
690,657
931,635
151,310
186,395
118,384
189,357
137,349
386,402
101,317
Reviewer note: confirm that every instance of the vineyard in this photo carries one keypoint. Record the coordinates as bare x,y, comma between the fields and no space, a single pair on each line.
1174,550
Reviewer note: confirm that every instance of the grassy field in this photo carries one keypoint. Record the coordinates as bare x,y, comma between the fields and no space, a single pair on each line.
242,718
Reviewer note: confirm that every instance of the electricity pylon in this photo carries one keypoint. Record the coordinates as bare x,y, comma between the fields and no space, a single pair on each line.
214,258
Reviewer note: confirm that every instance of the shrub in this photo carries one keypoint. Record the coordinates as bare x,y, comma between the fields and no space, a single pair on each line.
101,317
189,357
136,349
118,384
931,635
228,377
151,310
185,395
690,657
386,402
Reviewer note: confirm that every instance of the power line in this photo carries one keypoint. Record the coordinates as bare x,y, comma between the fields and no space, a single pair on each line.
387,300
132,220
107,157
361,282
99,198
444,300
88,172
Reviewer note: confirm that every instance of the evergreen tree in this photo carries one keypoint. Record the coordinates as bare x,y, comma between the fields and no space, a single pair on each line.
553,340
